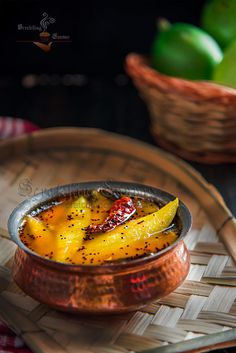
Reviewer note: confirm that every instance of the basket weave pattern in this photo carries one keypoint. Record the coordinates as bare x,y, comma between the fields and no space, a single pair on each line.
196,120
204,304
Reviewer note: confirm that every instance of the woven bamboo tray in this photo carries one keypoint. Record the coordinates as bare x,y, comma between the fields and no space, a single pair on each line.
199,315
193,119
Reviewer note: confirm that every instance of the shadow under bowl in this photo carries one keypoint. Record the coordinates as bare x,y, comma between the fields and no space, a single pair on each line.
111,288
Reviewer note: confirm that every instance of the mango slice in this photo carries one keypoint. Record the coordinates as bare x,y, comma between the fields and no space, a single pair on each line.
38,233
126,235
69,237
59,232
61,239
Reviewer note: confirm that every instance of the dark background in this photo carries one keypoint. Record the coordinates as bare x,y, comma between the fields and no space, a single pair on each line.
102,33
83,83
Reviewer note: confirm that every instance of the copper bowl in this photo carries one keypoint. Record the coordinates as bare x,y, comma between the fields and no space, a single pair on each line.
110,288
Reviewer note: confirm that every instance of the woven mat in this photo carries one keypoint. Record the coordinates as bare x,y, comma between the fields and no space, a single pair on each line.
203,305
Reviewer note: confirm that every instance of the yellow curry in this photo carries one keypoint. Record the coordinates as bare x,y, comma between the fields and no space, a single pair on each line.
95,229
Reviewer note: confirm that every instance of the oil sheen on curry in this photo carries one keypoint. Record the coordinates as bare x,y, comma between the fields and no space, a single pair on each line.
100,227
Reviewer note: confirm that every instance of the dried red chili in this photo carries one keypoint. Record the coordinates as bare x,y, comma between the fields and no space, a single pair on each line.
120,212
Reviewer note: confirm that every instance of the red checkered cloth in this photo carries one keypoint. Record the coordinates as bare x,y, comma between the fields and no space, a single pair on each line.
10,127
9,342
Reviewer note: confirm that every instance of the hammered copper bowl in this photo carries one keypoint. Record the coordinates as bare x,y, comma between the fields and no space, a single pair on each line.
111,288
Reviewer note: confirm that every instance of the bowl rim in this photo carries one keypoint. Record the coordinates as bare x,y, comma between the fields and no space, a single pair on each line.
132,189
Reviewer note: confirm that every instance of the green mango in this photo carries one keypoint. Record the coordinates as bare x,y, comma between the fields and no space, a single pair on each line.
219,20
183,50
225,72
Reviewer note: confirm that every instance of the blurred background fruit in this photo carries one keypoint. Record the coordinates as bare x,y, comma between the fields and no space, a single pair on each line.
183,50
219,20
225,72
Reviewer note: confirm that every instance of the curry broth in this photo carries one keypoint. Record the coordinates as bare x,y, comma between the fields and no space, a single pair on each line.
59,231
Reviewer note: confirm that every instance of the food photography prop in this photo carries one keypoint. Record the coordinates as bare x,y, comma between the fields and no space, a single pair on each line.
197,315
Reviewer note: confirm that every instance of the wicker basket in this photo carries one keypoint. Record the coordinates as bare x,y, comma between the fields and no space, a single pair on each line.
196,120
